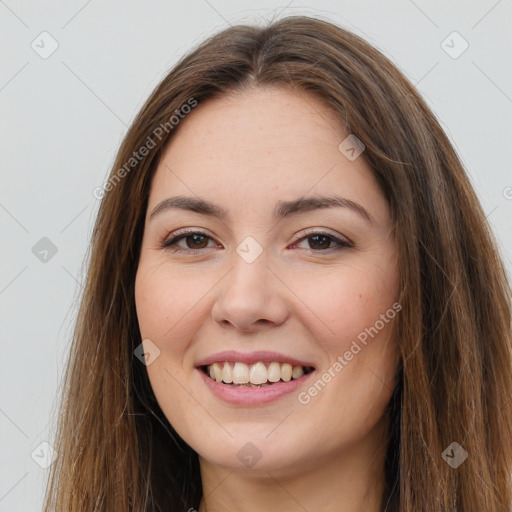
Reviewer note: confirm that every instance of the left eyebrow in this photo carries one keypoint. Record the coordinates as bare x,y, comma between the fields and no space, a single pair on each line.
282,209
286,208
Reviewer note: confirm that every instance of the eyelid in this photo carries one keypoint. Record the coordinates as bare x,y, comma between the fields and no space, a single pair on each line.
187,231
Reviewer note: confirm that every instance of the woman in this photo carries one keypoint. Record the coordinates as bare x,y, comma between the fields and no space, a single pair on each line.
293,302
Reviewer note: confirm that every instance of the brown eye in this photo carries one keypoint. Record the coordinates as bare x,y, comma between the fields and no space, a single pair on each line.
196,243
193,241
321,242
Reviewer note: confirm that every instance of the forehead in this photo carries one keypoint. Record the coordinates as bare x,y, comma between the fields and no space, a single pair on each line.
254,147
266,121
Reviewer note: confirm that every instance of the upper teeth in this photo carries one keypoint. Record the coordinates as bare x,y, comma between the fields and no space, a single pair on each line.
241,373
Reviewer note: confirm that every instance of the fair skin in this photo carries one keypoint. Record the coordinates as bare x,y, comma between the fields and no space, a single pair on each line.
300,297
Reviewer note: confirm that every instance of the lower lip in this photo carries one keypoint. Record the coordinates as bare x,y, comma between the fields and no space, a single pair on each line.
239,395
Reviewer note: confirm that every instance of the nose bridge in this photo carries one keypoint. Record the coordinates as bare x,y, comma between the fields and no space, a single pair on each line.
250,293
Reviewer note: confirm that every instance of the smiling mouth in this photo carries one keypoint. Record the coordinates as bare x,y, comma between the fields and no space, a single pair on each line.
257,375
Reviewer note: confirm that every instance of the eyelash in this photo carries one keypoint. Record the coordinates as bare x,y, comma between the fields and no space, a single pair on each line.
167,244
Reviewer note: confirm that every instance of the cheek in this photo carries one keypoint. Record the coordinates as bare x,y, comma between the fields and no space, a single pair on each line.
348,302
165,310
167,304
357,304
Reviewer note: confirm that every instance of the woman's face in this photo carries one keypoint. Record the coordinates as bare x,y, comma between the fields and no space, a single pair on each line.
274,285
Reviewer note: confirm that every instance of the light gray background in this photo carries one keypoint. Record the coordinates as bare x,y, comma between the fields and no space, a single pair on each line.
62,119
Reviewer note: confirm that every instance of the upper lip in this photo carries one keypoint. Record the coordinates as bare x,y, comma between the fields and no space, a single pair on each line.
251,358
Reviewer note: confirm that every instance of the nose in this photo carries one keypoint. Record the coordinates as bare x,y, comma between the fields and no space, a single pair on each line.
251,297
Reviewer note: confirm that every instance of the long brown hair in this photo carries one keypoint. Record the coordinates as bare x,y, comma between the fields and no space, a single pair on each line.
117,451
